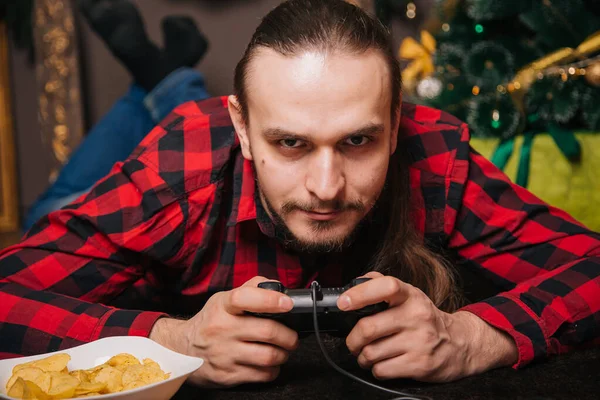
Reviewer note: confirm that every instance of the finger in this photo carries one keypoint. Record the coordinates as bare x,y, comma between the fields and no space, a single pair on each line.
264,330
239,375
387,288
256,280
382,349
254,299
374,327
248,374
372,275
395,367
409,366
260,355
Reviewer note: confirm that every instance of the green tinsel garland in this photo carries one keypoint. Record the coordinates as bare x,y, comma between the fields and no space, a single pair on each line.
493,116
492,9
553,99
488,64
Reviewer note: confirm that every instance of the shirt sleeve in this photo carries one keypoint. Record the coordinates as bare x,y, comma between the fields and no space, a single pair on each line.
547,264
54,284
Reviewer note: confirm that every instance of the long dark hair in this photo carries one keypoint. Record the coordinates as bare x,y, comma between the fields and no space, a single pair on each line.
335,25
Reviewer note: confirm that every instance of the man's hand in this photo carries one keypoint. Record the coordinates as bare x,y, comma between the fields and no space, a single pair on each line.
414,339
236,348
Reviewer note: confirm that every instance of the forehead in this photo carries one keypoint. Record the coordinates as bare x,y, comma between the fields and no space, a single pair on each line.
316,89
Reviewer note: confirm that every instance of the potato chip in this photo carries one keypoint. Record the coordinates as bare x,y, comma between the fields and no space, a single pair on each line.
81,375
142,373
62,386
151,363
24,389
111,376
122,361
133,385
18,388
89,387
55,363
32,374
36,391
50,379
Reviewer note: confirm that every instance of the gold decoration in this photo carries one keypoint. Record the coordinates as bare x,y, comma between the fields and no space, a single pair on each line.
57,72
527,75
422,55
411,10
9,198
592,74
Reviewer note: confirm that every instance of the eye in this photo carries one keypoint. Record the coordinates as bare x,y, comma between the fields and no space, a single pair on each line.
357,140
290,143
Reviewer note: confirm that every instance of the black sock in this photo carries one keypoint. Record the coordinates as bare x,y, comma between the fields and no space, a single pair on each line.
185,45
120,25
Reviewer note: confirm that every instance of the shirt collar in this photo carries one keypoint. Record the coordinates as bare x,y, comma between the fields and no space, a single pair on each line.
246,202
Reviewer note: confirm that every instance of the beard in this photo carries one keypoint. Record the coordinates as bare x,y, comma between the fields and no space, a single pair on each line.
317,228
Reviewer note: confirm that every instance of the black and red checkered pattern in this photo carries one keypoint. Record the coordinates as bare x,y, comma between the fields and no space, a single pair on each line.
178,221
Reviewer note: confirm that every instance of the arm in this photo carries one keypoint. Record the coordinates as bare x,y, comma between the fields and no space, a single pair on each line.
53,285
547,264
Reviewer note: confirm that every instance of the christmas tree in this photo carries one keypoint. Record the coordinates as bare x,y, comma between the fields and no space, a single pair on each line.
511,67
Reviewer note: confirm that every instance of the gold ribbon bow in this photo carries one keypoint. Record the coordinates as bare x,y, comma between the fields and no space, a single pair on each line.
528,74
422,55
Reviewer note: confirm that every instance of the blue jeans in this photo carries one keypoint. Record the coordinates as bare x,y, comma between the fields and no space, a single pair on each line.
115,136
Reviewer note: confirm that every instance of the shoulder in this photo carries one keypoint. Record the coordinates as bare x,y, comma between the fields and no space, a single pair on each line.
192,146
438,151
435,141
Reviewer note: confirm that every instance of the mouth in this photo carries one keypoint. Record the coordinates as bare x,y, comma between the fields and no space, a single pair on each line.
322,215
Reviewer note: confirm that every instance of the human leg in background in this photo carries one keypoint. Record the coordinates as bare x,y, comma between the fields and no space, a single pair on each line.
163,79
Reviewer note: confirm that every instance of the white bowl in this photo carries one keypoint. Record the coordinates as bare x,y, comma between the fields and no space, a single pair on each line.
98,352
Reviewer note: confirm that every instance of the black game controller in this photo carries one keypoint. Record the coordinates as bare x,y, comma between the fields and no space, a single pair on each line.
331,319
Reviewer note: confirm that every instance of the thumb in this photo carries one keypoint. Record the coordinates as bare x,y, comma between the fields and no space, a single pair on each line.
256,280
372,275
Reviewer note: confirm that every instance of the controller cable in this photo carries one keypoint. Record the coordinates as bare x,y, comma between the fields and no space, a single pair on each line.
405,396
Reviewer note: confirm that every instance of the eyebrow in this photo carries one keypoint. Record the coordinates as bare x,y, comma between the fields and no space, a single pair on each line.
277,133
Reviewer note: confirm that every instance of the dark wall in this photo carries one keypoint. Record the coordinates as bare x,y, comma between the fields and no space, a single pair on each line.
32,159
228,24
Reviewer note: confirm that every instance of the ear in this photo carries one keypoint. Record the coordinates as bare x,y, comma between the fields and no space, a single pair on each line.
395,128
235,112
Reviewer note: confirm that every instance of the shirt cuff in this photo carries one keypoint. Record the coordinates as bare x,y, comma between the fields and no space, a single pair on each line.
114,322
509,314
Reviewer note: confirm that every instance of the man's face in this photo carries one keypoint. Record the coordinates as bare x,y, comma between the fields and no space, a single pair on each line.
320,138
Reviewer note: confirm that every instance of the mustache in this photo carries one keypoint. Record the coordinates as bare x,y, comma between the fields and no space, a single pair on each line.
335,206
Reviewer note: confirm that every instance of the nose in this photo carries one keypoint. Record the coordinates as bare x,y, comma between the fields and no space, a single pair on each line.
325,179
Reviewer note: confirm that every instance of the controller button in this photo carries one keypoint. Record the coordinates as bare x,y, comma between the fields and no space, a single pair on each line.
276,286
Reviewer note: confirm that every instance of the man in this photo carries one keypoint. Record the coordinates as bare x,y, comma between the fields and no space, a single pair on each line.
312,170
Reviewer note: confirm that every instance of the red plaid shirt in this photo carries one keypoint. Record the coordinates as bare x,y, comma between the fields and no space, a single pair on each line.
178,221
